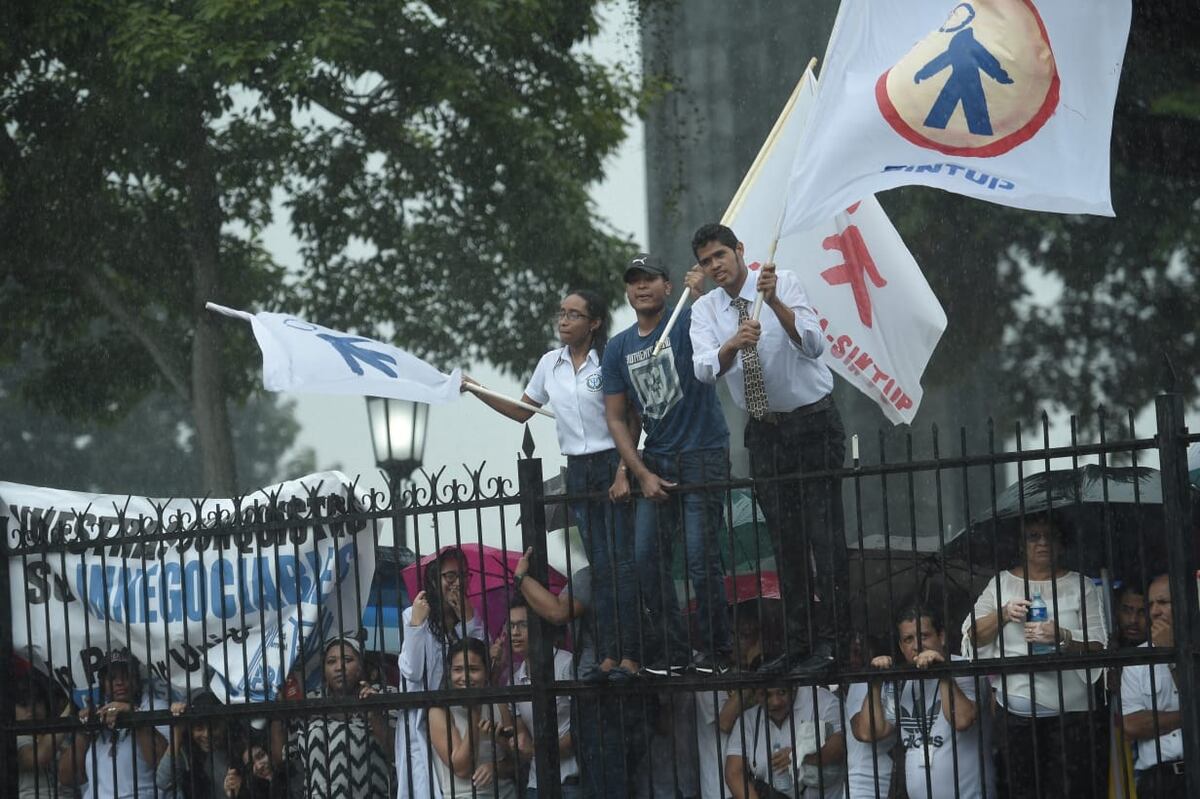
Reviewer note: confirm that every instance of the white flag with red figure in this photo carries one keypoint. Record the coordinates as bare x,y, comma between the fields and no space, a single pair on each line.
880,318
1009,101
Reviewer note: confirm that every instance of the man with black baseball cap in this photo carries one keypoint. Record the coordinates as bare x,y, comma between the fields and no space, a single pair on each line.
687,443
115,762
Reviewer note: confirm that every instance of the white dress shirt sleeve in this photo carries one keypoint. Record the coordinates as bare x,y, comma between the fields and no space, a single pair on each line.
706,342
812,340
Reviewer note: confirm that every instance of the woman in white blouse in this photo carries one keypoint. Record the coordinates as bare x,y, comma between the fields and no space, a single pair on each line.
1049,706
569,379
439,617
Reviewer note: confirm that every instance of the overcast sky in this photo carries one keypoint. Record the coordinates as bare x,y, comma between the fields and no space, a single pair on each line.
467,431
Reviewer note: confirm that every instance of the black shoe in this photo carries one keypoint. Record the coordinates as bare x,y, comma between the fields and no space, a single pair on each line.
660,669
816,663
780,665
711,664
820,659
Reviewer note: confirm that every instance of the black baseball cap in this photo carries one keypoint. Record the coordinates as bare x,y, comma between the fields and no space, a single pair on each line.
645,262
121,657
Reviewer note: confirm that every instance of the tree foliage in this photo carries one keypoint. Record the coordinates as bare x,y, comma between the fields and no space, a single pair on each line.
151,451
433,159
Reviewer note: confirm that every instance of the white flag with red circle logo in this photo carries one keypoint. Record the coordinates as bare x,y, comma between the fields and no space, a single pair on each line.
880,318
1009,101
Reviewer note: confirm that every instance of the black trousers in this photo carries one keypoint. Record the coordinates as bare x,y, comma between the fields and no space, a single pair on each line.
1162,781
1052,757
805,519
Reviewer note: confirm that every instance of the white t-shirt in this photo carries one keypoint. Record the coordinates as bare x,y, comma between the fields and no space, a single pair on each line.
710,744
567,767
1075,684
1136,696
577,399
806,731
932,745
868,766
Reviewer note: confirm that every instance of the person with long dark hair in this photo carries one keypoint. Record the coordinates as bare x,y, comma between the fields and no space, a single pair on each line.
115,760
569,379
199,764
473,744
439,616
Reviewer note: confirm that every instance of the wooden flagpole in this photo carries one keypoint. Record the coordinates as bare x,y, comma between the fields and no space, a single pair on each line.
735,204
487,392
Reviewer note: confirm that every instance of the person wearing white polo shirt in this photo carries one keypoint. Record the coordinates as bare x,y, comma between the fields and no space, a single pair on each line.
790,744
1151,710
568,766
569,380
774,372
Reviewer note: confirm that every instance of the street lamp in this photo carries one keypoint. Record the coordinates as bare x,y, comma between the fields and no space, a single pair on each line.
398,436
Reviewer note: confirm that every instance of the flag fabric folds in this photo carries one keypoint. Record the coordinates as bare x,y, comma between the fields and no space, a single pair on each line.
880,318
303,357
1009,101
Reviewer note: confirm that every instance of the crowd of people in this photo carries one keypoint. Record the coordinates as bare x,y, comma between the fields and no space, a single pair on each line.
646,444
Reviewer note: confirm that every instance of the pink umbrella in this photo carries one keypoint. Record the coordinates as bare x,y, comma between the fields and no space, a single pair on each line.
489,581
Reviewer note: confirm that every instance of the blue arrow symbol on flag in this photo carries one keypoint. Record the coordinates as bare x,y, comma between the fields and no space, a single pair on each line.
347,347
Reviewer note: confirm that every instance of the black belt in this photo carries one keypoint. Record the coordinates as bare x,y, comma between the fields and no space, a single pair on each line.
1174,767
823,404
591,456
572,780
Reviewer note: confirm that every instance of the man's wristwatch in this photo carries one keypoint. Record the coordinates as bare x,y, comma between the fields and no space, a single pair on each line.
517,578
1064,636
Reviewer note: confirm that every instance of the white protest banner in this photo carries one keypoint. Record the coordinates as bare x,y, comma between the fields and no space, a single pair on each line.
216,602
880,318
300,356
1009,101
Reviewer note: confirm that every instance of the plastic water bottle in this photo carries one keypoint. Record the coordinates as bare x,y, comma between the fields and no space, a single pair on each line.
781,778
1039,612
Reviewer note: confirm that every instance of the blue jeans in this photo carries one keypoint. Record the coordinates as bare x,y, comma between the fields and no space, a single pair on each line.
657,527
609,739
607,532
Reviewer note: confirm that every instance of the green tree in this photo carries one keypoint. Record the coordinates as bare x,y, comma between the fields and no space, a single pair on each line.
150,451
434,158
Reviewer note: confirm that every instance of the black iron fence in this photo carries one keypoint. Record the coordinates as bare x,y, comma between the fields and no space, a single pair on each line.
286,644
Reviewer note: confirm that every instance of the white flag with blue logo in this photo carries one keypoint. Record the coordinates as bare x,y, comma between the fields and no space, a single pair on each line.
303,357
1009,101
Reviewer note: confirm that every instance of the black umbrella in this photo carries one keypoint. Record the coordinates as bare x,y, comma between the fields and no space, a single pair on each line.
884,581
1092,500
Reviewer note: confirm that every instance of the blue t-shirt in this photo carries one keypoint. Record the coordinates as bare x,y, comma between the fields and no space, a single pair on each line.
679,413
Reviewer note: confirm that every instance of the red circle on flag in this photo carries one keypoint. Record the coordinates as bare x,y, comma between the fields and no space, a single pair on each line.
903,123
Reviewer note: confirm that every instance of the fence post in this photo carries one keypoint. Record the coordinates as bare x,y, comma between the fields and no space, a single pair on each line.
1181,571
8,740
540,658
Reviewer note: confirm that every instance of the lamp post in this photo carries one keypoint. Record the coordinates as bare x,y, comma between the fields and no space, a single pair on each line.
398,436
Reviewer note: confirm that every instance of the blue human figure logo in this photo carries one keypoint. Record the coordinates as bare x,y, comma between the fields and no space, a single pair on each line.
967,59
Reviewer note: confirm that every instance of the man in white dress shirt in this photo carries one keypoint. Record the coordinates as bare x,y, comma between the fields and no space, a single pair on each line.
1151,710
774,371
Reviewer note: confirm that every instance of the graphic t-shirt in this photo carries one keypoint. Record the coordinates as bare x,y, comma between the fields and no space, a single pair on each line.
930,741
679,413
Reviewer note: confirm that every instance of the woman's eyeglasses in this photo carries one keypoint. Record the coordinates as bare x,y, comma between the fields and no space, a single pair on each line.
570,316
